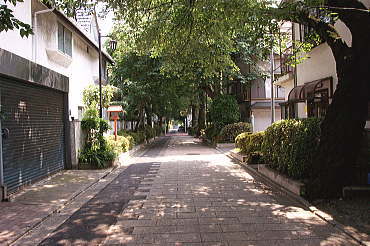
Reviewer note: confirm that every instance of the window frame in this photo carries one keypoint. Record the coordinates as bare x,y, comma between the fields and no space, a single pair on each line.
67,38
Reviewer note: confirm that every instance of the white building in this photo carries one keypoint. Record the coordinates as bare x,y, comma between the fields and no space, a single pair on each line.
311,86
41,82
261,115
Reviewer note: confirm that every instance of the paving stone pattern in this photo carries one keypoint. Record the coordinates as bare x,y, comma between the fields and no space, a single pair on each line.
197,196
89,225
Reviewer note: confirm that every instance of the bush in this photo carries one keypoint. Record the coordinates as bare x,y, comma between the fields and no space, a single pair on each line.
290,145
224,110
231,131
96,150
139,137
251,145
192,130
158,130
149,132
97,157
128,136
121,145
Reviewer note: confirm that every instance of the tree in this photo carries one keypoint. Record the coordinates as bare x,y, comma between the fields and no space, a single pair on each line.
146,90
90,95
342,127
204,31
202,34
9,22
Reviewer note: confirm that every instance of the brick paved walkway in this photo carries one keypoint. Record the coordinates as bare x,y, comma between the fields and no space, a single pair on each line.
197,196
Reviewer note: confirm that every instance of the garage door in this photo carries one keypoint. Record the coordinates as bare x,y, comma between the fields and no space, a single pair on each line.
33,117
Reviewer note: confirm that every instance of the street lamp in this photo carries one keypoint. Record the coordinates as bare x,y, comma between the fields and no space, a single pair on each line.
113,46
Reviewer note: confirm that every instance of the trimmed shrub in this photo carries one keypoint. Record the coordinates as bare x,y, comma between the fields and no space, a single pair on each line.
121,145
149,132
192,130
133,137
251,145
231,131
128,136
289,146
224,110
211,133
158,130
139,137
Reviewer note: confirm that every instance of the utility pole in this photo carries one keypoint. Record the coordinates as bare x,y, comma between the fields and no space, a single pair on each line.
100,74
272,81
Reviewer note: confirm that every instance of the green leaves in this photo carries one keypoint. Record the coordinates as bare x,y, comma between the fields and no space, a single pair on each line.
224,110
9,22
290,145
91,95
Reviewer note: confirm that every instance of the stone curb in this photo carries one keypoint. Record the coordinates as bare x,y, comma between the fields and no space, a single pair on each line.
124,156
322,215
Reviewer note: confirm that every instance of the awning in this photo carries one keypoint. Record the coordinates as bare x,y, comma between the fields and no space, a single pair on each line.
308,91
311,88
295,95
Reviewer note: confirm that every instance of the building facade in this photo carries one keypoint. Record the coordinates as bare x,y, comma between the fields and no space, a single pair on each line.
311,85
42,78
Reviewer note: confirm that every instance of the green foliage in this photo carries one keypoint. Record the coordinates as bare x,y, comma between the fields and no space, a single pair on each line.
290,146
193,130
158,130
95,151
128,136
231,131
9,22
251,145
211,133
224,110
145,89
137,137
90,95
149,132
121,145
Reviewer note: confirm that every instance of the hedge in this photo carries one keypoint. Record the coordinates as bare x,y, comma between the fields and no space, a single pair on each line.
289,146
231,131
121,145
251,145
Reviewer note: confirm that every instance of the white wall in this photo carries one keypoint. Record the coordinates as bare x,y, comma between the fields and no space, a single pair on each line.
262,118
82,68
320,62
11,40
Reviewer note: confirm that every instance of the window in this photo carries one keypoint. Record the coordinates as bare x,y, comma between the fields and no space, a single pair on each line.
64,40
318,104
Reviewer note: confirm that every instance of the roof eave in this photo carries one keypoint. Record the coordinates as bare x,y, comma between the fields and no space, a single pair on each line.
83,35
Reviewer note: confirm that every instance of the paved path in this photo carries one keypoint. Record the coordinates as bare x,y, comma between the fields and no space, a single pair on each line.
197,196
180,192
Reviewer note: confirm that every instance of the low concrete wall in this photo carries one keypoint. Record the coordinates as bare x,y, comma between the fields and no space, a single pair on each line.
289,184
225,145
238,156
77,141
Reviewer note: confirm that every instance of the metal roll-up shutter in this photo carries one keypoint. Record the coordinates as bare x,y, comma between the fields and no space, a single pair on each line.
33,116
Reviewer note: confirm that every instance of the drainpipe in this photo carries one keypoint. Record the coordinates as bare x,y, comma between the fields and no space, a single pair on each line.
3,192
35,27
272,83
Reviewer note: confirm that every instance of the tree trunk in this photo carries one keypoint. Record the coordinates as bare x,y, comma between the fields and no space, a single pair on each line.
148,110
202,112
343,126
160,121
194,116
244,110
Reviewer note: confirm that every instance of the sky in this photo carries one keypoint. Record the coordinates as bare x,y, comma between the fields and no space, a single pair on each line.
106,23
